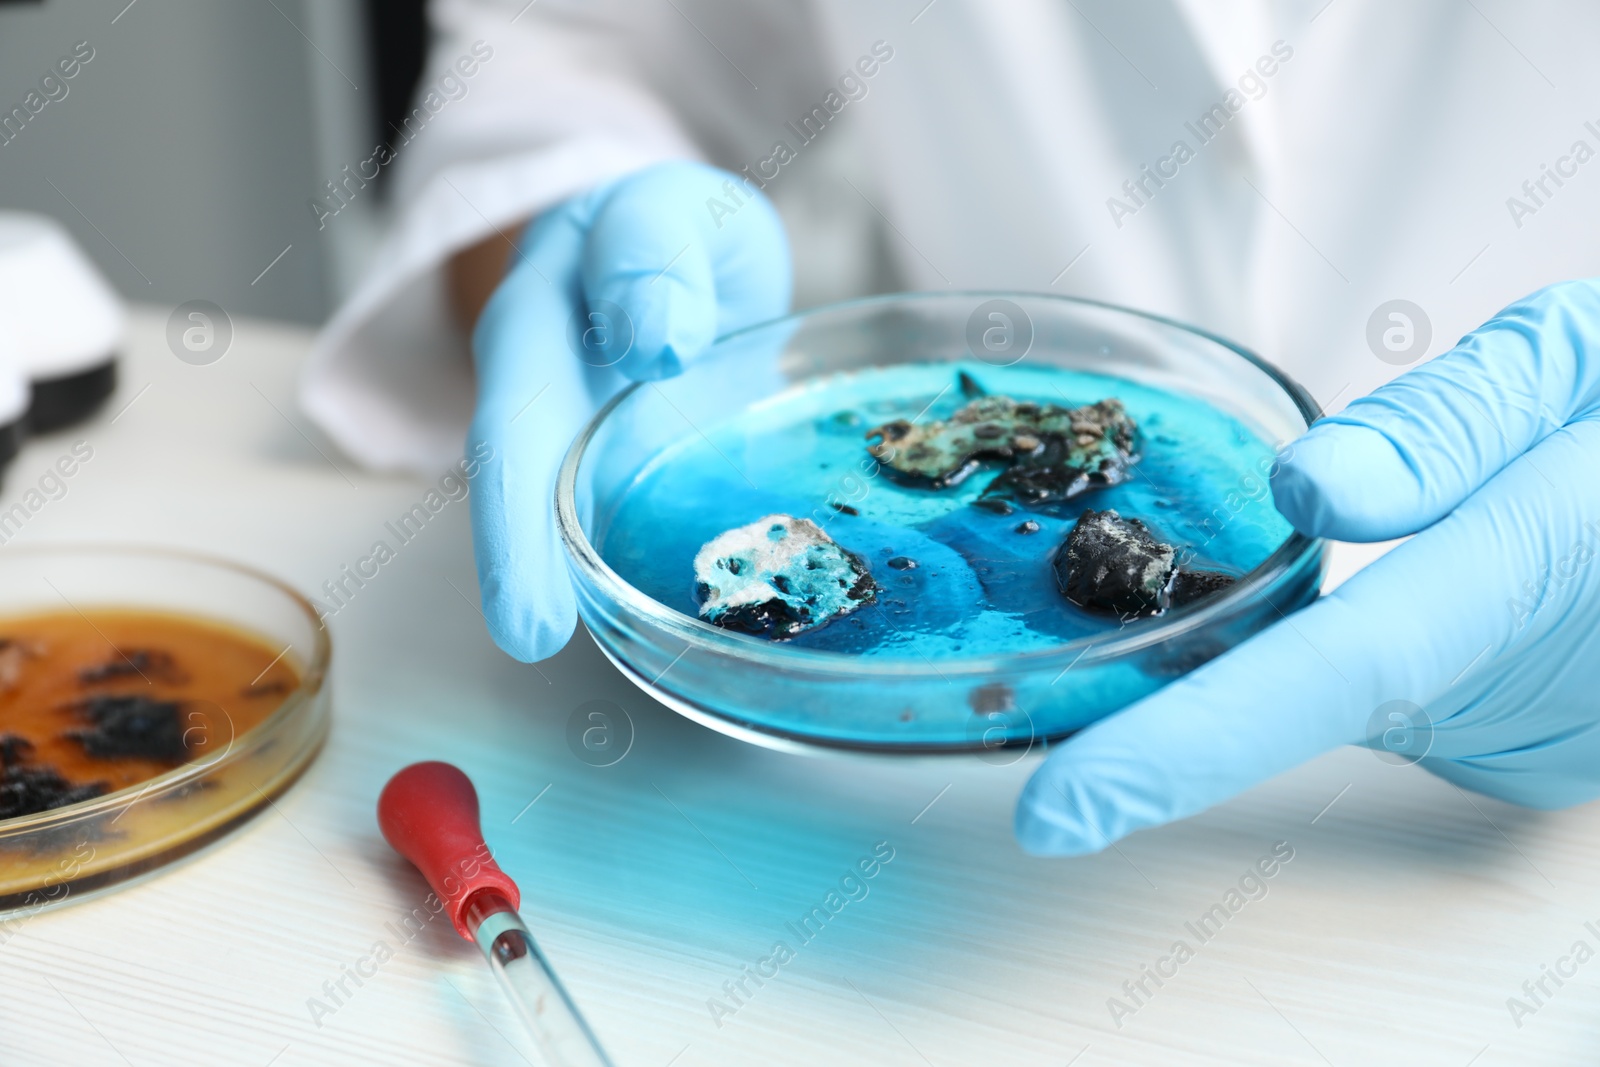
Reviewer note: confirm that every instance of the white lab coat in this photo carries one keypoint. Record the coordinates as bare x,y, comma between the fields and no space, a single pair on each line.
1004,145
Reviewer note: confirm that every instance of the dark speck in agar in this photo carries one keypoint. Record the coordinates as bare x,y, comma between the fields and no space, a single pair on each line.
903,563
130,726
1027,526
150,664
29,788
991,699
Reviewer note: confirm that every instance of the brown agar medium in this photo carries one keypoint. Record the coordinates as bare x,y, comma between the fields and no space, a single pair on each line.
130,738
114,698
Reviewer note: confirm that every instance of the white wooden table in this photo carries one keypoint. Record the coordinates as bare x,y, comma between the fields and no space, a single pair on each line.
1405,920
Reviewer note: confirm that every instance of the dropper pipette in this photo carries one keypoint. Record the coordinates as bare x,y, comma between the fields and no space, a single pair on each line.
429,813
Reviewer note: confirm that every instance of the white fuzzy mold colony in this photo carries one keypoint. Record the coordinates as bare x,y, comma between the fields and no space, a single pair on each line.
777,577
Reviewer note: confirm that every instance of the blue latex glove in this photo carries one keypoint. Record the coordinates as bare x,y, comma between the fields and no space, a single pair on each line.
550,347
1486,619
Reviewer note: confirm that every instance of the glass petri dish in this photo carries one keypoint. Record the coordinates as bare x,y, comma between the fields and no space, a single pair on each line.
783,696
72,852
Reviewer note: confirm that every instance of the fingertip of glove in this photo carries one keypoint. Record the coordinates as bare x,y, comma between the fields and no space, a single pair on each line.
1044,825
664,321
525,631
1349,483
1298,485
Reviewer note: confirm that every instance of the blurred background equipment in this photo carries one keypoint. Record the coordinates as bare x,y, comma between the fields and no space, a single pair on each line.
163,134
61,326
63,323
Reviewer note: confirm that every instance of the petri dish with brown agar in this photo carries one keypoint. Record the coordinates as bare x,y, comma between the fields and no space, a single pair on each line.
150,702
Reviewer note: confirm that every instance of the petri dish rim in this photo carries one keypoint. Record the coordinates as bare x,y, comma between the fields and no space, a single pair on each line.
1091,648
312,679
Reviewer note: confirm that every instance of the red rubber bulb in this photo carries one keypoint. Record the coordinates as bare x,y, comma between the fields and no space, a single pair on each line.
429,813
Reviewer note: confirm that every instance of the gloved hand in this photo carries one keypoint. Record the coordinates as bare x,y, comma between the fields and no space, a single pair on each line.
1487,619
624,283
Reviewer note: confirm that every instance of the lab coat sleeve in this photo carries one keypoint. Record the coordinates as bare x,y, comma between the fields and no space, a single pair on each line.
552,106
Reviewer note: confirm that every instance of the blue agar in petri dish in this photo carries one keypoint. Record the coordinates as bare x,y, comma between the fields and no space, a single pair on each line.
957,572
